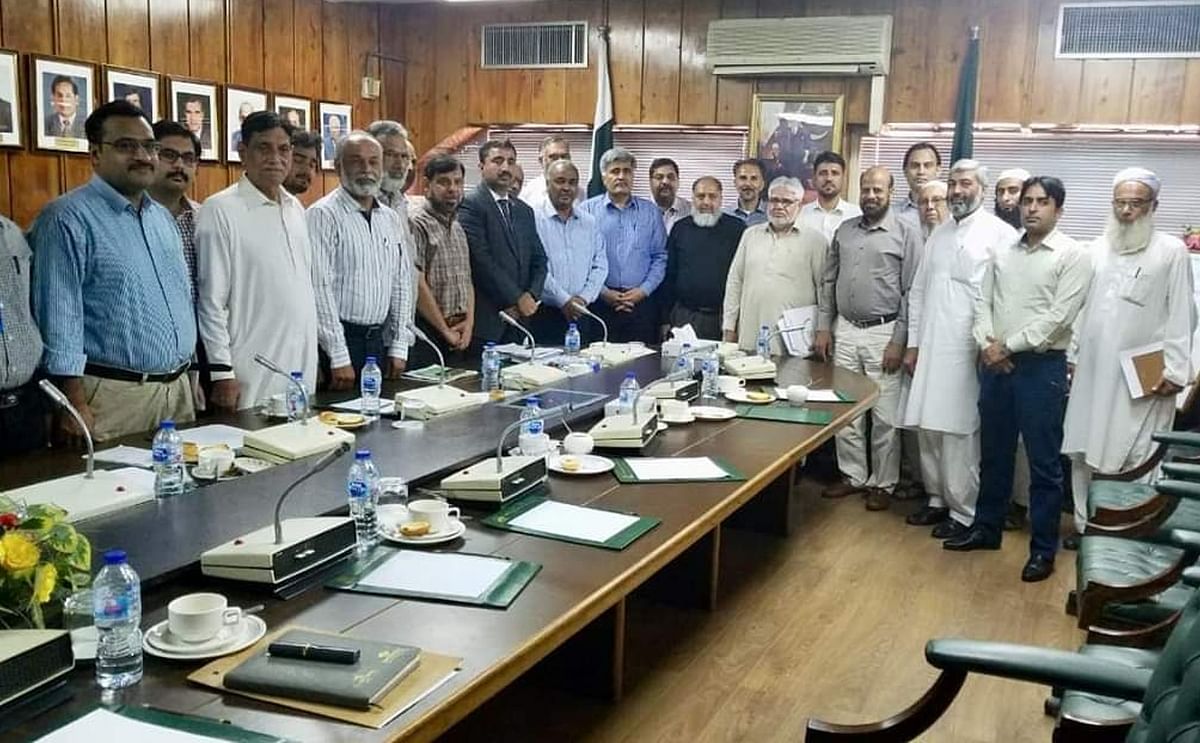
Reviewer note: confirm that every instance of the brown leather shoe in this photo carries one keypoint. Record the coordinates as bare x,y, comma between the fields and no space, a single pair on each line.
878,499
842,489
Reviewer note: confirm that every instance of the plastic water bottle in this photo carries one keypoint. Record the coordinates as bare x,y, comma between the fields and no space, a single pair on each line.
371,386
710,367
489,372
167,454
572,342
531,417
362,487
763,345
684,362
117,612
629,392
295,401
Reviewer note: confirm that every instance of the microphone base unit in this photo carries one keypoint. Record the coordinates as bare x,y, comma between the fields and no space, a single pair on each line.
529,376
297,440
308,544
440,401
620,432
481,481
687,390
750,367
84,498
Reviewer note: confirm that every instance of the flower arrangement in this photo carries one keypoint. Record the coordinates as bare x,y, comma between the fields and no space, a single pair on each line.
1191,238
39,554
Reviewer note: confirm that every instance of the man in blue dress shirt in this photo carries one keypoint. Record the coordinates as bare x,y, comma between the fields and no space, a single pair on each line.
637,251
110,288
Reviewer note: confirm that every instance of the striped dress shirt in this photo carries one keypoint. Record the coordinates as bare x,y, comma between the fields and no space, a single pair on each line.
636,239
362,273
110,285
20,343
577,259
185,220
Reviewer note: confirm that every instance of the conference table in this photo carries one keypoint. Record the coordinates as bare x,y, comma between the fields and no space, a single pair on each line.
574,608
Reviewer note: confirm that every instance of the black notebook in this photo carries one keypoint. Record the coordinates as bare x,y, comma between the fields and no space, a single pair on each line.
380,666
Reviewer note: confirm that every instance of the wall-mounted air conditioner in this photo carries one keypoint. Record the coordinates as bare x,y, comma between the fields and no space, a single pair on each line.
821,45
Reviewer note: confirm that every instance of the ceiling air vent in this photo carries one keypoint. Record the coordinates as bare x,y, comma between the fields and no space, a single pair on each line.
1129,29
563,44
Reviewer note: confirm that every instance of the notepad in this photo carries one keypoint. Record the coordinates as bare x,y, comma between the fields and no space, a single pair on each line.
100,724
650,469
519,351
574,522
467,576
1143,368
129,455
798,342
386,407
433,373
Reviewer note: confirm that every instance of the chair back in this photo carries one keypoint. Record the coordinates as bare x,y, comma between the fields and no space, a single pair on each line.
1171,708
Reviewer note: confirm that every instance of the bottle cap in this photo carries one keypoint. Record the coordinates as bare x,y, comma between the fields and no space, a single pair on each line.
572,326
297,375
372,360
362,454
167,424
630,375
533,400
490,344
114,557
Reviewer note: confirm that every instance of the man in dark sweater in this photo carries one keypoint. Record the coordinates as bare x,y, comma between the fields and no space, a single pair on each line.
699,251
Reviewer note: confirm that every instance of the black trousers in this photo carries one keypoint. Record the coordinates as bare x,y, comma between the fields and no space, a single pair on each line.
549,327
639,325
706,323
421,355
361,341
23,420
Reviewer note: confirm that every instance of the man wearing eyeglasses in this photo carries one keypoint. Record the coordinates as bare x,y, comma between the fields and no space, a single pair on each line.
110,288
255,267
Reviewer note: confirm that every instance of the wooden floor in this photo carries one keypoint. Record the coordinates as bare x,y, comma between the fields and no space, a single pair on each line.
830,623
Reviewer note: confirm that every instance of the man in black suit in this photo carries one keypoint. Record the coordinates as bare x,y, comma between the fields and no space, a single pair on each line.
64,119
508,262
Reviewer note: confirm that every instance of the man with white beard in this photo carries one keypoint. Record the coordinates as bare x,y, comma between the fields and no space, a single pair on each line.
931,201
942,354
699,251
1141,294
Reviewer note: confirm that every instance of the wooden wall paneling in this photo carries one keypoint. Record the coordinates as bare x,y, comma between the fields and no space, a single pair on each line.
309,21
909,77
661,62
34,177
453,77
858,7
170,42
1007,45
128,33
580,84
697,85
362,28
206,28
1106,88
1054,90
278,46
627,21
951,25
337,79
516,86
1189,103
547,88
392,42
858,100
782,8
420,99
481,103
5,196
734,94
1157,91
80,30
244,21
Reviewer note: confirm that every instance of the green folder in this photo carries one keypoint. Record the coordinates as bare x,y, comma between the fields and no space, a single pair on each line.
625,474
502,519
499,594
785,413
195,724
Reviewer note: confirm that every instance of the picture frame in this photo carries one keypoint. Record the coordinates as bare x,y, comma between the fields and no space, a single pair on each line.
294,109
194,103
142,88
788,131
239,103
12,100
336,122
63,92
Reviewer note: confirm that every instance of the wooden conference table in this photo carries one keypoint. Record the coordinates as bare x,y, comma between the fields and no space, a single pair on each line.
575,605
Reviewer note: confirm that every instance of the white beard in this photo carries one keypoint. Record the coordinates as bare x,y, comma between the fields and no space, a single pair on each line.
391,185
1129,238
705,220
782,223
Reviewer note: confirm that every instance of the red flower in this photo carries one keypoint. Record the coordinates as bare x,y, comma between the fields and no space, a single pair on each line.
9,521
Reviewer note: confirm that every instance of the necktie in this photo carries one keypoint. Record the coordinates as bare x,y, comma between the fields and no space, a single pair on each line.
506,210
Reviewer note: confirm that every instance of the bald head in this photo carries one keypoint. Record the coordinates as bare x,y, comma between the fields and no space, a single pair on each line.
359,163
875,192
562,184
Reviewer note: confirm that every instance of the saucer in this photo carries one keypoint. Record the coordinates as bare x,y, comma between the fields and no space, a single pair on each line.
712,413
661,426
212,476
589,464
392,534
740,395
250,465
237,637
678,421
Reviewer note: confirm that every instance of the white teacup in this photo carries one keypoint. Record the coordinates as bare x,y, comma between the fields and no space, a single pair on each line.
673,409
277,405
436,512
214,461
729,383
197,617
797,394
533,445
578,443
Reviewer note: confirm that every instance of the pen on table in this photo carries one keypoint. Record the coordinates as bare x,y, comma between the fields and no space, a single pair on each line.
308,651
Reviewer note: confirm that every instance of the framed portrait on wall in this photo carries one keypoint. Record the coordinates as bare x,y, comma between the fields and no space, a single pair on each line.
142,88
63,94
788,131
194,104
294,110
335,125
12,126
240,103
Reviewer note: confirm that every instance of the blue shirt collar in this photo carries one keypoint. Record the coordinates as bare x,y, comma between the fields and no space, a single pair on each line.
631,204
115,200
548,211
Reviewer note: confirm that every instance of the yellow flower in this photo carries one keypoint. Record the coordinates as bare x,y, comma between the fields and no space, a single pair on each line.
18,552
43,584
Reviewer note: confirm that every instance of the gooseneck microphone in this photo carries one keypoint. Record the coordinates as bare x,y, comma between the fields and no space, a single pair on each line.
321,464
603,325
420,334
532,343
273,367
61,400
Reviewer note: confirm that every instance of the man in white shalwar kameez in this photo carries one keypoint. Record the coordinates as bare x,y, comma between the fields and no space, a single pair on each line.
1141,295
255,268
942,352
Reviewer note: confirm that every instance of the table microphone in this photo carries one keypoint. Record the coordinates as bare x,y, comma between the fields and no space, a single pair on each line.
420,334
321,464
676,376
273,367
532,344
603,325
61,400
559,411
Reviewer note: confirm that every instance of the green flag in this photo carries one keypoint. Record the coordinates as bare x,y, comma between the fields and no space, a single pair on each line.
964,108
602,125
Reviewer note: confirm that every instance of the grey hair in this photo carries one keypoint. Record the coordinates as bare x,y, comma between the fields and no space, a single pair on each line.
562,164
387,128
554,139
617,155
357,135
783,181
940,185
967,165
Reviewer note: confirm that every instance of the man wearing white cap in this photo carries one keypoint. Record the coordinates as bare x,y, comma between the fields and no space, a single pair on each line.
1008,195
1140,298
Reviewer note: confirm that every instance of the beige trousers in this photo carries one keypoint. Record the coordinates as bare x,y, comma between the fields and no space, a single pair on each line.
123,408
861,350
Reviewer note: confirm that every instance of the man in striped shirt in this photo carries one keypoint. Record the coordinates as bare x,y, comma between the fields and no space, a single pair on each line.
361,271
110,288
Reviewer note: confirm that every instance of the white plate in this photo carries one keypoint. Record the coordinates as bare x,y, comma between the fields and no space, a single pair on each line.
456,530
210,476
247,632
712,413
678,421
250,465
739,395
589,464
661,426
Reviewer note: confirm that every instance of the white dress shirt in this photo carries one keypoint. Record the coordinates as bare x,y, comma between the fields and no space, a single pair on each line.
827,222
679,209
534,192
362,273
256,294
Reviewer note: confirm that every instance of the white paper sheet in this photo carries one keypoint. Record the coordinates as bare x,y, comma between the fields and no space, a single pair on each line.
576,522
799,342
442,573
386,407
676,468
129,455
823,396
217,433
516,350
102,725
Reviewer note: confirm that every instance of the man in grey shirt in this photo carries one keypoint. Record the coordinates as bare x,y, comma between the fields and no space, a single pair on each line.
864,302
22,424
